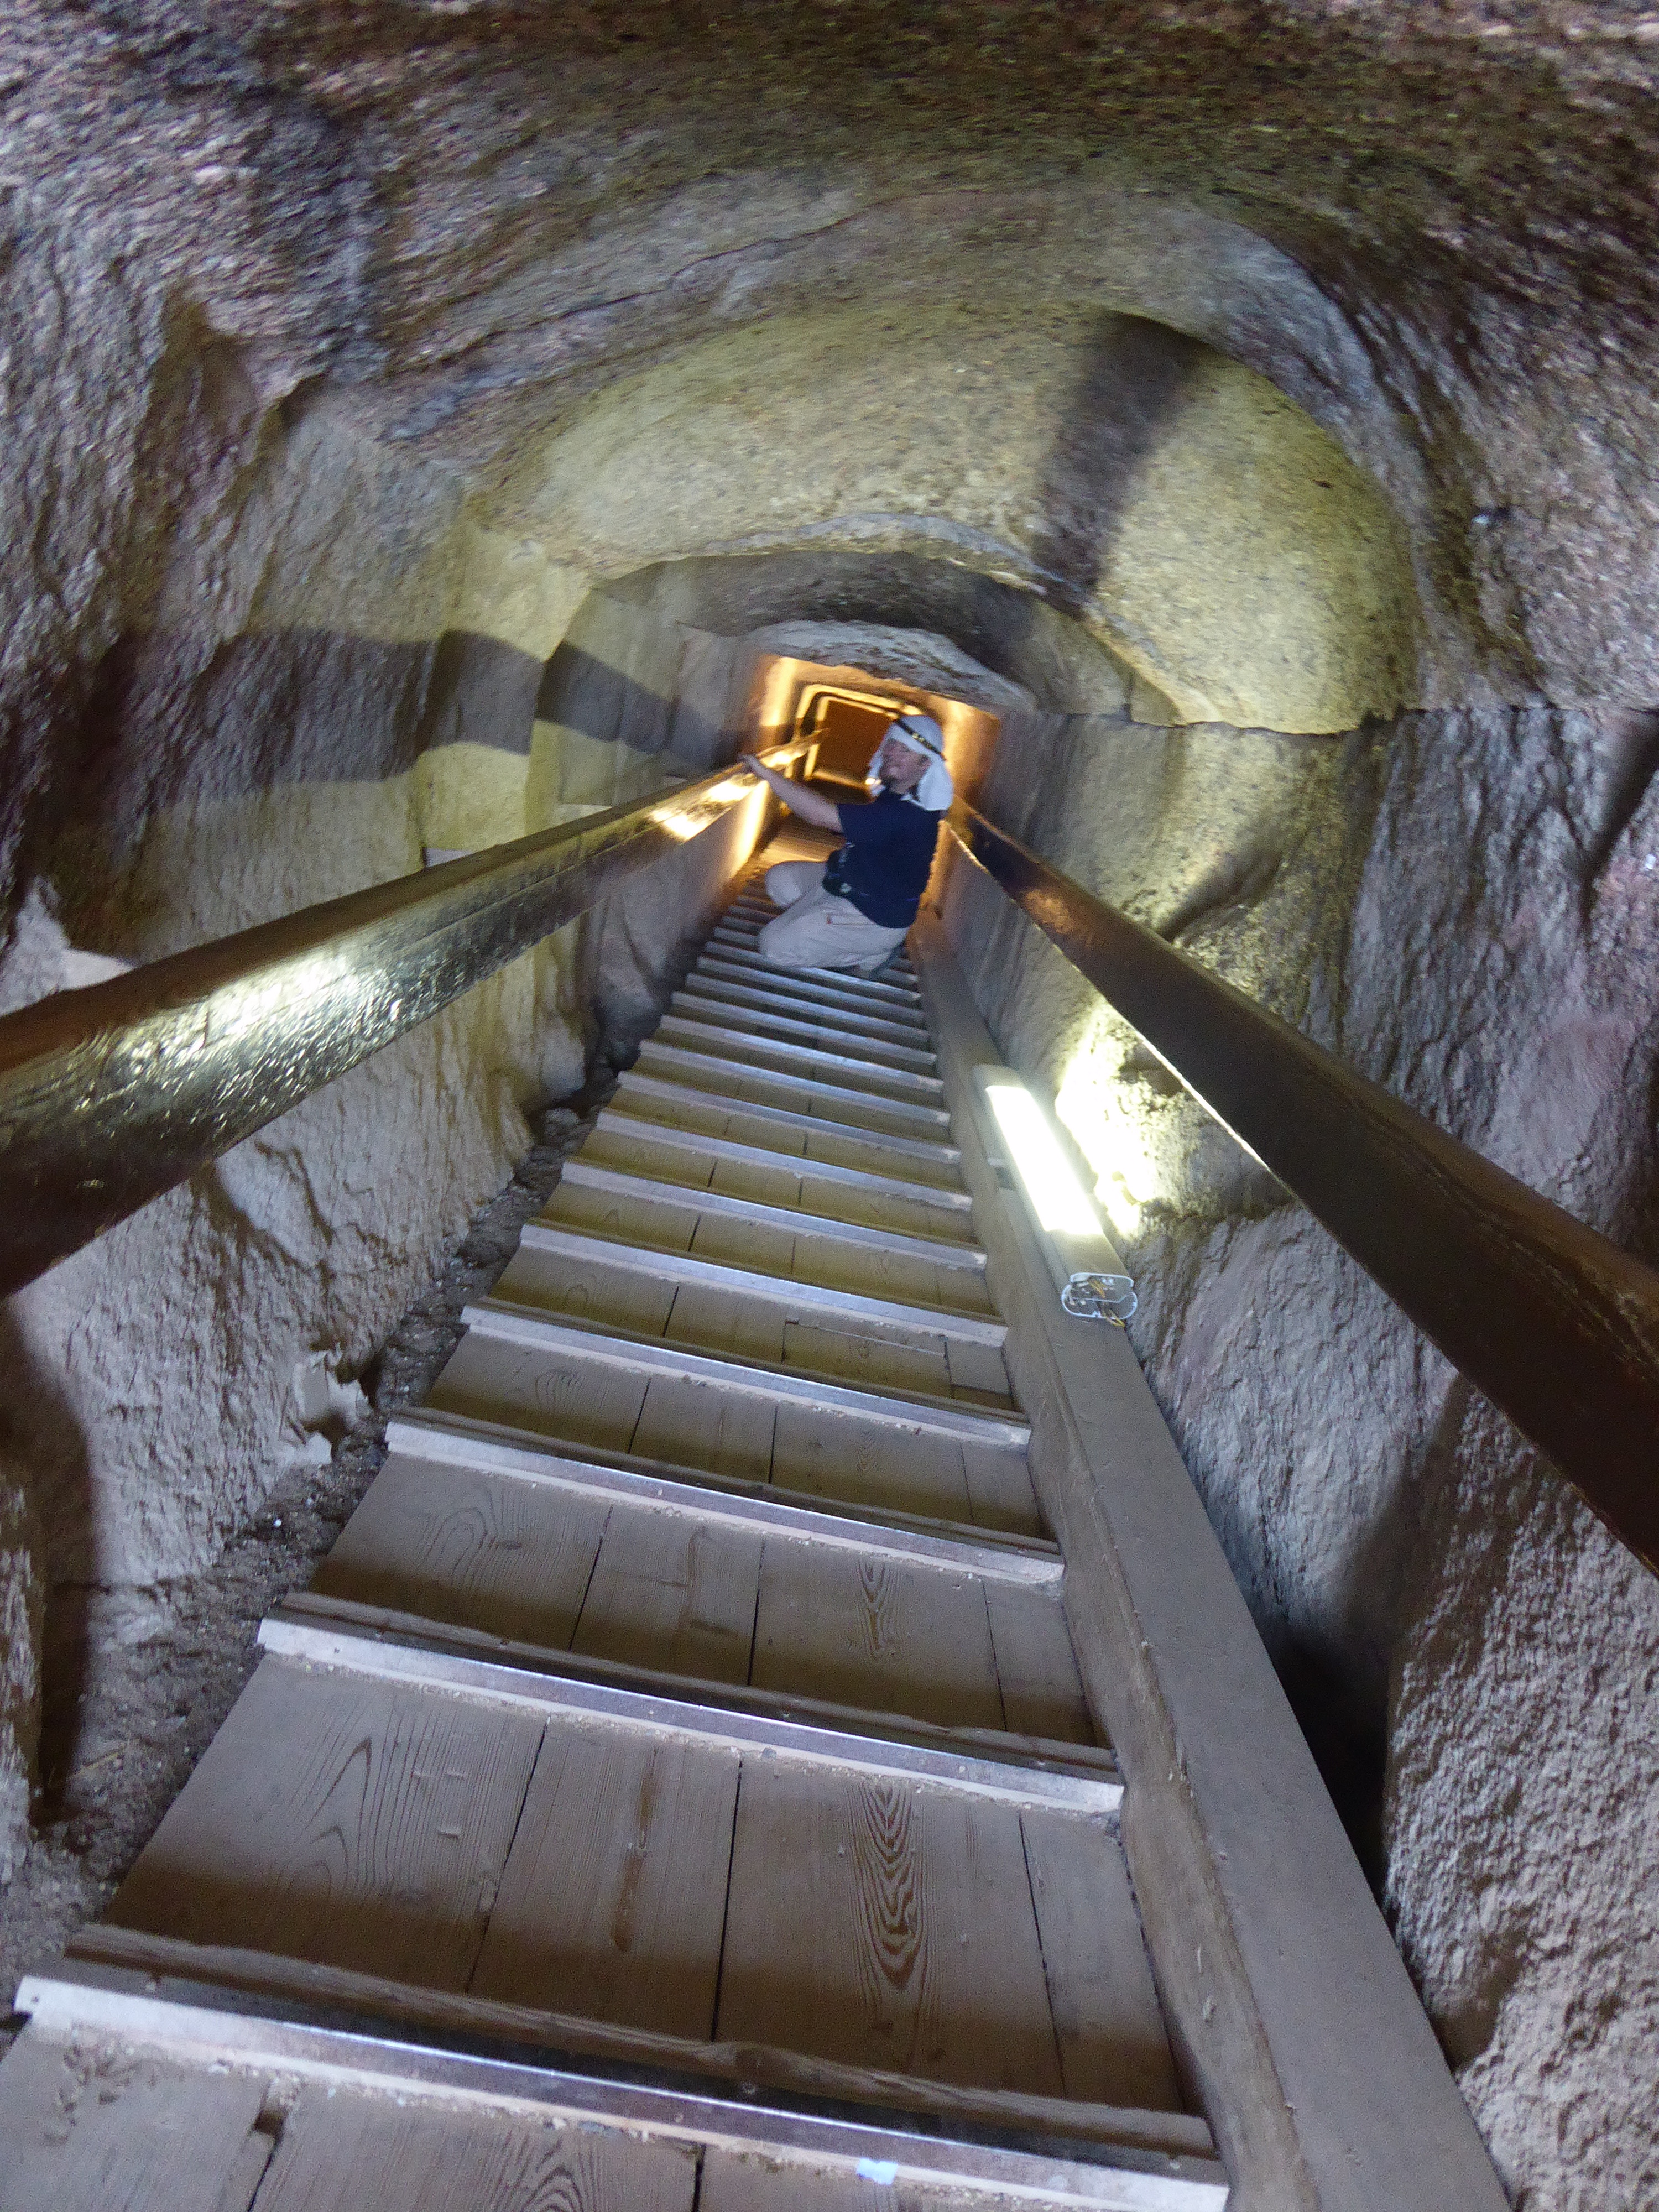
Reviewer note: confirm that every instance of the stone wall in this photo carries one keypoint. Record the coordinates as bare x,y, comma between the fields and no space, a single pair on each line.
374,679
1466,906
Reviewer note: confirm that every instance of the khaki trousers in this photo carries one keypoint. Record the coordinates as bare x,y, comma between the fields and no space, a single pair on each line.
817,929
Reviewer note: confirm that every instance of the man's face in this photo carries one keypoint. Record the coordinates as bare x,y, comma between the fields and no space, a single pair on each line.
898,767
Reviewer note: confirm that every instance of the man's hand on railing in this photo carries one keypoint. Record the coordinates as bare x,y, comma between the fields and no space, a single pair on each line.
810,805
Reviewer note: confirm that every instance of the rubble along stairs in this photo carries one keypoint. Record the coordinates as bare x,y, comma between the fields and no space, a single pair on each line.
677,1789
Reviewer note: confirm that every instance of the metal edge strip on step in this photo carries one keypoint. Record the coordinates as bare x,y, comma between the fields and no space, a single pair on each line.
468,1439
414,1631
691,1005
843,982
515,1324
770,982
753,1506
936,1152
746,1071
906,1079
802,1164
231,2027
784,987
785,1292
579,1174
890,1024
365,1651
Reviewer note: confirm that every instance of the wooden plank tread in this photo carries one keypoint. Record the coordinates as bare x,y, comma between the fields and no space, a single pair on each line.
934,1151
942,1251
801,1164
464,1440
772,1021
712,1063
875,1070
333,1634
787,1292
952,1417
284,2015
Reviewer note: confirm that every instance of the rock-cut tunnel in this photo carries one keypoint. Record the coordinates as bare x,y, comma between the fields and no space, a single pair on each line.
429,425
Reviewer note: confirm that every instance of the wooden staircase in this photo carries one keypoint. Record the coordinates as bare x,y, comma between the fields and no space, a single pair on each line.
677,1789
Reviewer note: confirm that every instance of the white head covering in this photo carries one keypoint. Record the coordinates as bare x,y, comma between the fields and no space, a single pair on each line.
920,733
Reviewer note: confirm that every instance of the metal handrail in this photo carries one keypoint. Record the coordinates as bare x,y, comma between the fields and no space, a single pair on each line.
1552,1321
111,1095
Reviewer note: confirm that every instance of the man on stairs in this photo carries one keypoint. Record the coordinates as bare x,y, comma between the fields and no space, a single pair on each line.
854,911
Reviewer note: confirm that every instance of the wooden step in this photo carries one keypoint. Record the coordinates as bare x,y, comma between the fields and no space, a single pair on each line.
443,1435
780,1242
856,1071
713,1067
593,1390
938,1251
772,983
686,1097
909,1412
441,1441
469,1827
680,1603
837,982
453,2103
805,1137
636,1146
841,1034
714,1305
526,1279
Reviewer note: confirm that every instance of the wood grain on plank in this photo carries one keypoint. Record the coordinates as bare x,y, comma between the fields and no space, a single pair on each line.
699,1425
909,1363
757,1180
875,1633
96,2126
750,1325
883,1209
638,1154
667,1224
674,1595
767,1247
1036,1668
977,1373
559,1394
772,1136
591,1288
614,1896
881,1924
361,2153
836,1148
460,1544
999,1483
873,1272
838,1456
1113,2046
337,1818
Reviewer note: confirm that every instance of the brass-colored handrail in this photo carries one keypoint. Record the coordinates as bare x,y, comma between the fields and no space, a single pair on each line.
111,1095
1553,1322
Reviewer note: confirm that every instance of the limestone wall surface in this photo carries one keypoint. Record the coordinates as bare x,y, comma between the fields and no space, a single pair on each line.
377,680
1464,907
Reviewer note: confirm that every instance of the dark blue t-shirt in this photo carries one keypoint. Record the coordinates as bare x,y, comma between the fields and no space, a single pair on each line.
889,854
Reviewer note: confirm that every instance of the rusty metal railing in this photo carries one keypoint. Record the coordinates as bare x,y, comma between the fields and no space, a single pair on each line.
111,1095
1553,1322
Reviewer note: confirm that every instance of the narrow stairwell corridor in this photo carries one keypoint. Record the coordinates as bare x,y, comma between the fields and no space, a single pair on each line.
684,1733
